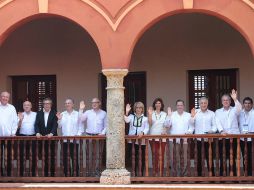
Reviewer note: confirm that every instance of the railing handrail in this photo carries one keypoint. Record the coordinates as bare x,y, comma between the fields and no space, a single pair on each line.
97,137
215,135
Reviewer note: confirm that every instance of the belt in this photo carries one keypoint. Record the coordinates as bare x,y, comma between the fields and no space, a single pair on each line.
92,134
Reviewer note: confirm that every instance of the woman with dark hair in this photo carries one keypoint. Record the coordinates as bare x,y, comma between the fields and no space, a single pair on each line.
156,119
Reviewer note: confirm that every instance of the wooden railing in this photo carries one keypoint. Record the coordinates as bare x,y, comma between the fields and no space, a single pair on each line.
81,159
185,158
58,159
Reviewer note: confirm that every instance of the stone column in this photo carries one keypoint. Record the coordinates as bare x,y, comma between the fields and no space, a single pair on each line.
115,172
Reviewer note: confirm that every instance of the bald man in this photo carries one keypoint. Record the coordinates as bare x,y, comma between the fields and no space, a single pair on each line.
26,128
8,126
95,118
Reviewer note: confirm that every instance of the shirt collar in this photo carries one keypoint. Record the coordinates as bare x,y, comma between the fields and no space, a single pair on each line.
46,111
223,109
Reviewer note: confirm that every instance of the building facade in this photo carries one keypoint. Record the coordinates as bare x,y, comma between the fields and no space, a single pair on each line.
170,42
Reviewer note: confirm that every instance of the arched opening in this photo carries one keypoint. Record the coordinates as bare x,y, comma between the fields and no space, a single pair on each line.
184,42
52,46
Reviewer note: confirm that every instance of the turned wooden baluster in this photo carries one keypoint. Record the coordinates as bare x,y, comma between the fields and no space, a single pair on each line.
101,147
245,157
94,153
202,157
188,158
231,158
174,158
81,158
146,158
160,157
30,158
75,158
12,158
238,157
181,158
68,158
153,156
87,169
43,158
133,157
24,158
168,158
5,156
210,157
18,158
55,157
217,157
61,158
49,158
195,157
139,158
36,158
224,157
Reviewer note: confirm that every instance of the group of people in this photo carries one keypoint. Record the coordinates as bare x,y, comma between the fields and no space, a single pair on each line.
238,119
45,123
226,120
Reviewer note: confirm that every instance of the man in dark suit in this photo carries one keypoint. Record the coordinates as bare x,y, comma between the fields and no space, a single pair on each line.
46,125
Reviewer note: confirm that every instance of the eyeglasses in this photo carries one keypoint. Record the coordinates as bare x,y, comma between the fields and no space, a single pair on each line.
95,102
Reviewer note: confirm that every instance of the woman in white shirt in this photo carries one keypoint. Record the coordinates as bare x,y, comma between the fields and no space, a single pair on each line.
156,119
138,125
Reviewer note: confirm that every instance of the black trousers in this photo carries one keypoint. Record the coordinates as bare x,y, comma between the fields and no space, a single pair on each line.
206,152
249,156
73,160
143,151
2,157
227,148
25,151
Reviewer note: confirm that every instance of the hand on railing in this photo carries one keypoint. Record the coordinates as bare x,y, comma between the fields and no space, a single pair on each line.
38,135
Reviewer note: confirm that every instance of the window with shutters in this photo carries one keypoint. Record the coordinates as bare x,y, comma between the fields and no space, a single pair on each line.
211,84
34,89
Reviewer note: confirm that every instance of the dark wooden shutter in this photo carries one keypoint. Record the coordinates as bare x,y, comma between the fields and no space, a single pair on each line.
212,84
34,89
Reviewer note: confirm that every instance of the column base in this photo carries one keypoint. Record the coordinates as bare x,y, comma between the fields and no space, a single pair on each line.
115,177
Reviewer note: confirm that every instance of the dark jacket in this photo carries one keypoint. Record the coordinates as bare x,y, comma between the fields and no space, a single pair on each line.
50,127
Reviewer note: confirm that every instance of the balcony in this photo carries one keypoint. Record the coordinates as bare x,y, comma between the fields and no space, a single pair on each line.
31,159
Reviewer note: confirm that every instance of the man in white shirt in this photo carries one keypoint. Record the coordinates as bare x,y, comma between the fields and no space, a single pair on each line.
246,124
179,124
203,121
69,122
227,123
26,128
8,126
95,118
96,124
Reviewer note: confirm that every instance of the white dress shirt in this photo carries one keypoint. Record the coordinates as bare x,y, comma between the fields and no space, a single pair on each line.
96,121
204,122
137,125
227,120
246,122
8,120
179,124
46,116
157,127
27,125
70,124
